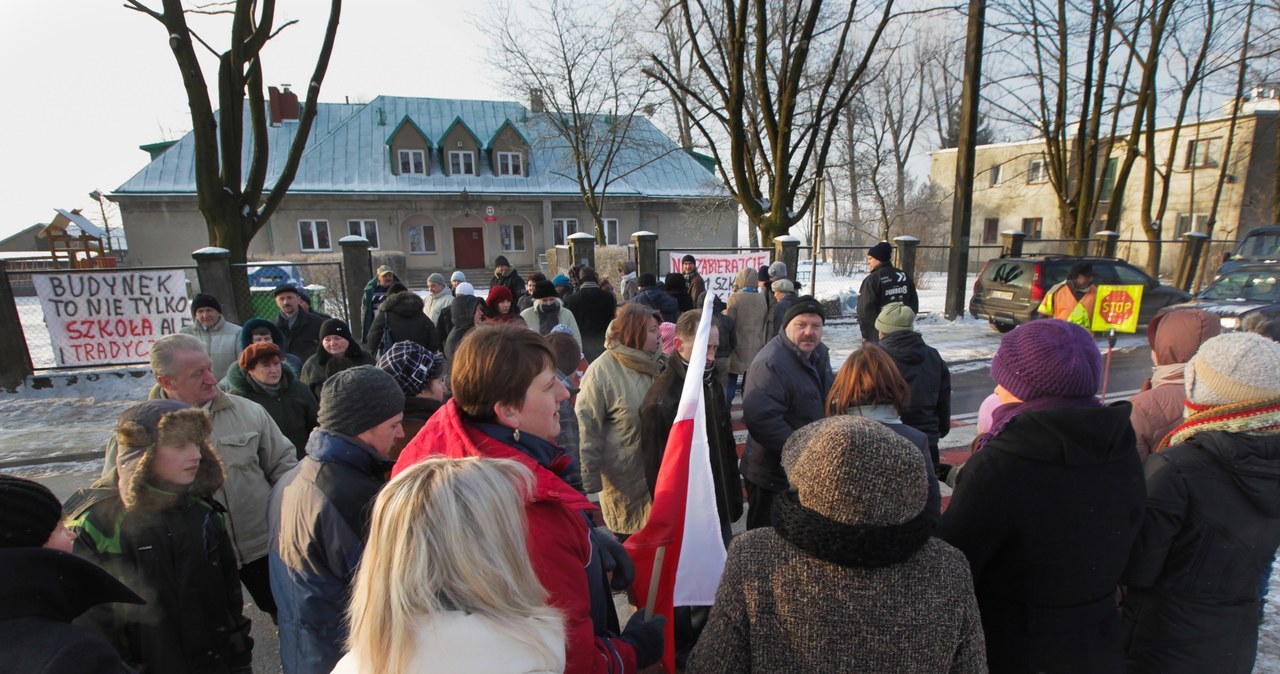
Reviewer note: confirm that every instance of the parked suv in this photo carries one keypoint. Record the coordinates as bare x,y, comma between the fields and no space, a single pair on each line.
1009,289
1260,245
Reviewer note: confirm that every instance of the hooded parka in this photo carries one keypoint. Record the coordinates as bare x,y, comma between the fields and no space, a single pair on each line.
1046,513
749,311
403,314
920,364
1209,533
1174,339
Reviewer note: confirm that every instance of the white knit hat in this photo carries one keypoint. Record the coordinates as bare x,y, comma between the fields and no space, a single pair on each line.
1232,368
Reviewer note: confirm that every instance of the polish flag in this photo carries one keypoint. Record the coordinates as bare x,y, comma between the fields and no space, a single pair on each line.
679,555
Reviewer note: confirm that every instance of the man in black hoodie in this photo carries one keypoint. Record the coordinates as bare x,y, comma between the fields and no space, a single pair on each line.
920,364
506,275
883,284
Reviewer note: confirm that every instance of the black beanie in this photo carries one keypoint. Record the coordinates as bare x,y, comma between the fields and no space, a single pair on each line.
647,280
203,301
501,261
335,326
29,513
543,289
804,305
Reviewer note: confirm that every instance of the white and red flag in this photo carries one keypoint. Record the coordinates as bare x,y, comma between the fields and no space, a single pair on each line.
679,554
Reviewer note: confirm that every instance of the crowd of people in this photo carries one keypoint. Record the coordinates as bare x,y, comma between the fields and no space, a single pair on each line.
450,491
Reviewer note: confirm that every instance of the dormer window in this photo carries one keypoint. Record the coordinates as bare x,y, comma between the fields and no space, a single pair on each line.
413,161
510,164
462,163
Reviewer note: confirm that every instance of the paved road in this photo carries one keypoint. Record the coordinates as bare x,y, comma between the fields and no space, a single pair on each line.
1129,368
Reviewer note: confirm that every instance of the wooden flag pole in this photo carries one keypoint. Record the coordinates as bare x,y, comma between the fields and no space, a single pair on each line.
653,582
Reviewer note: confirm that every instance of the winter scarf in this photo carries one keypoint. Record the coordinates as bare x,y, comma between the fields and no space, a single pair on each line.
1255,417
635,359
1007,412
548,317
273,391
885,414
1165,374
849,545
542,451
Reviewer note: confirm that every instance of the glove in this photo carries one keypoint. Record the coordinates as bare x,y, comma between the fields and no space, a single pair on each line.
647,637
616,559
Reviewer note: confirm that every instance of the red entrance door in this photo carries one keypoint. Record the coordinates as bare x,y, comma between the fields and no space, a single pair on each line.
468,248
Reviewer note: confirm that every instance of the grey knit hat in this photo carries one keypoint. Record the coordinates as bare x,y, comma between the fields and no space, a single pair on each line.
895,317
1234,368
357,399
856,471
783,286
436,278
778,270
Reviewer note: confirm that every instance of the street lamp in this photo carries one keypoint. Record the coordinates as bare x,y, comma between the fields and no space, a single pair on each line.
96,195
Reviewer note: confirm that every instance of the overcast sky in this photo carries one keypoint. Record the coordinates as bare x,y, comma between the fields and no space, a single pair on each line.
88,81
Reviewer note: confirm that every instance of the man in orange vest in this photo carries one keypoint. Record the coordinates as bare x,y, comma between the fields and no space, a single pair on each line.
1073,299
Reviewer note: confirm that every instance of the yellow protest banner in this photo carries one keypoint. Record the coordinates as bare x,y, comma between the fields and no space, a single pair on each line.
1117,307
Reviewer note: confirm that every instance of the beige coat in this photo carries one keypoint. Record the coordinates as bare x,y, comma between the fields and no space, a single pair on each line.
750,314
222,342
608,409
254,455
530,317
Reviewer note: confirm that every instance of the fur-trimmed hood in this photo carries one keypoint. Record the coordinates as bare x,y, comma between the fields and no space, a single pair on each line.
246,332
406,303
145,426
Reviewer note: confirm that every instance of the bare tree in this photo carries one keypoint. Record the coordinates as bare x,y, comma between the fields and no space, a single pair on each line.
232,193
578,65
769,82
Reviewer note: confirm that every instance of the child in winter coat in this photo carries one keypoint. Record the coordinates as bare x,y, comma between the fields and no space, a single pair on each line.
161,533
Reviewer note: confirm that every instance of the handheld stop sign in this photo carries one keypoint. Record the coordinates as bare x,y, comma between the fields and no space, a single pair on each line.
1117,308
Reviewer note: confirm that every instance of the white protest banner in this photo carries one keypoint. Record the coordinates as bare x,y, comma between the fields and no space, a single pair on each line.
106,318
718,270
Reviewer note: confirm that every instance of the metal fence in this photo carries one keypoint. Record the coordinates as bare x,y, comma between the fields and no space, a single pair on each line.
323,283
35,324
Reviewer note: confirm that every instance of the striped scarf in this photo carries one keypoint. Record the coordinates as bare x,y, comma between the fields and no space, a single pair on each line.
1255,417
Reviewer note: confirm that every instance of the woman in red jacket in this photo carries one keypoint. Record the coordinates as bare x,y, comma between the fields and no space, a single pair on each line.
506,399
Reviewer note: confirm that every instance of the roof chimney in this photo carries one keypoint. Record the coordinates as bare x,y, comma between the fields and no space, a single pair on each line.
535,101
283,105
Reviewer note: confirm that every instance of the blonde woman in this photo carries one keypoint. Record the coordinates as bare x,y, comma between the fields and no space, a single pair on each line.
445,583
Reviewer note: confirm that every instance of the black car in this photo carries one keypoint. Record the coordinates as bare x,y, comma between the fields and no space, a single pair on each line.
1244,291
1260,245
1009,289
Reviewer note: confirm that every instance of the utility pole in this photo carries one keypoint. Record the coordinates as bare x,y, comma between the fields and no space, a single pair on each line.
962,208
96,195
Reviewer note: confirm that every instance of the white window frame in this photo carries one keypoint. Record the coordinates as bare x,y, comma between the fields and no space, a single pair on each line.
420,164
466,163
431,250
312,228
610,231
1190,222
997,174
361,227
510,164
1203,152
507,242
1037,171
561,232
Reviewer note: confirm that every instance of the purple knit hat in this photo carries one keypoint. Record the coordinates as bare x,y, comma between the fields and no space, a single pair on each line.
1048,358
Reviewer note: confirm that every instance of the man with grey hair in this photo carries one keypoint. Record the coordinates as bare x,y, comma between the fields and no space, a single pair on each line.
254,453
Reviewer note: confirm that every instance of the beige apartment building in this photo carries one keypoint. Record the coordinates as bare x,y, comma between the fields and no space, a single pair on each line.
451,184
1012,189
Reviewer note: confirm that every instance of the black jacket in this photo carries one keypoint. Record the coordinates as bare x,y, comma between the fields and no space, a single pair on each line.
320,366
402,313
294,409
41,592
462,315
1211,526
593,308
512,281
1046,514
181,561
779,311
658,413
783,391
658,300
883,285
930,408
303,338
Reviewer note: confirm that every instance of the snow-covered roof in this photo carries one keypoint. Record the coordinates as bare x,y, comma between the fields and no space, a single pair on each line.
347,152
